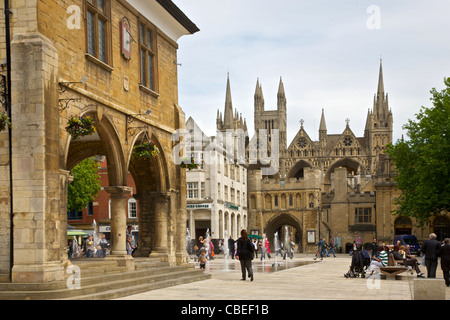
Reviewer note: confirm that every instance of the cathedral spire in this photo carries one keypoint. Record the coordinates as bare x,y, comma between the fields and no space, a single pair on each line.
228,117
323,125
381,108
380,82
281,96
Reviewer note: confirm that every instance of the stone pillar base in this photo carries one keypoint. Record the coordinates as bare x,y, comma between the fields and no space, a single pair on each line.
182,258
122,261
39,273
163,256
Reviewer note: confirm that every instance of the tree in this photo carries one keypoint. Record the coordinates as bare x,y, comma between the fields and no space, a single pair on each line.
85,185
423,161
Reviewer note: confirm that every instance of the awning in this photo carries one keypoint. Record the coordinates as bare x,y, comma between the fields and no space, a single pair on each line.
71,233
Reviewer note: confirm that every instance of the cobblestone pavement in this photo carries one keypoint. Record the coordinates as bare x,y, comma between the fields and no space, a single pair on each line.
301,278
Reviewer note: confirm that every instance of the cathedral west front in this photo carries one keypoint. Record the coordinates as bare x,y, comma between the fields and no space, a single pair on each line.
340,188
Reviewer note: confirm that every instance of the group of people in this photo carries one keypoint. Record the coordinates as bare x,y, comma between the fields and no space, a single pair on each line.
431,249
262,247
89,248
205,251
381,256
324,249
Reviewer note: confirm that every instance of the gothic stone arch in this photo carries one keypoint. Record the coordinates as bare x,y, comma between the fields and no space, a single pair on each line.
279,220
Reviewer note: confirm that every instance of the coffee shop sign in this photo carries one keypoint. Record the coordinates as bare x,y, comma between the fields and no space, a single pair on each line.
198,206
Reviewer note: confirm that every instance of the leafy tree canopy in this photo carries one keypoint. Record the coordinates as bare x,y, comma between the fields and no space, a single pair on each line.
423,160
85,185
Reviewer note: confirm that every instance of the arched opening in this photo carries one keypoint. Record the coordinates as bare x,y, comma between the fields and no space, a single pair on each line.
104,145
286,226
150,176
297,171
441,227
402,225
352,166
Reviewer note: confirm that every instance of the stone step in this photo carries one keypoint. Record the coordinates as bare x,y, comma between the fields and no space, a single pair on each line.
98,285
143,285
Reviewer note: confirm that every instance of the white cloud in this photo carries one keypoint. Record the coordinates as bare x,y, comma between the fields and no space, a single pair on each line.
327,56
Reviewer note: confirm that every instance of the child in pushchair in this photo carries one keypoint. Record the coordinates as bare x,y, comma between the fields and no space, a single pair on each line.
357,266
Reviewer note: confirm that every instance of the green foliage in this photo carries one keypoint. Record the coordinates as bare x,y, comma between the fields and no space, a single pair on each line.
423,160
146,150
80,126
85,185
5,121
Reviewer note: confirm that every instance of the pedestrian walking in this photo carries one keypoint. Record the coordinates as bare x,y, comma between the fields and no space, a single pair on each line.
332,248
231,247
265,249
255,244
288,248
444,253
244,253
202,259
320,248
430,249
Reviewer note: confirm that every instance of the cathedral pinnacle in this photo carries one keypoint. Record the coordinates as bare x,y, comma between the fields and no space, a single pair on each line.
228,117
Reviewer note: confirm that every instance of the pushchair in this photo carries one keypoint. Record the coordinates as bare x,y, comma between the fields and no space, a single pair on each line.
366,259
357,267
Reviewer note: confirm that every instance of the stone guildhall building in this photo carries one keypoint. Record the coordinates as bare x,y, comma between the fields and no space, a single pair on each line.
111,64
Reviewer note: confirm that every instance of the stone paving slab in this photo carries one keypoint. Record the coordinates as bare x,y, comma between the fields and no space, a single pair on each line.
319,280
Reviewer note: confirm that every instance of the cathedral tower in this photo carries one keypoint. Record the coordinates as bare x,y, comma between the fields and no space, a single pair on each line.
271,120
379,124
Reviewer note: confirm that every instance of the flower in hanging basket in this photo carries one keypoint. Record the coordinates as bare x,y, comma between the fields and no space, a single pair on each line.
80,126
145,150
4,121
189,165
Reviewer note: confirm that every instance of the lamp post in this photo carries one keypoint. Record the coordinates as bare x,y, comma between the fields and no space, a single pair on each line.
8,110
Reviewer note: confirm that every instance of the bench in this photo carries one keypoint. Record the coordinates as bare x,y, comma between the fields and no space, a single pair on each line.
391,271
393,268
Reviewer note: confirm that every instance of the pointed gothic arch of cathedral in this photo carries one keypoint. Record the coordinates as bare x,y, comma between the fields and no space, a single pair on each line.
350,164
297,170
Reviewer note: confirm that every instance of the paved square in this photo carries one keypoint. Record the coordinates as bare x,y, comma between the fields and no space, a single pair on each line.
316,280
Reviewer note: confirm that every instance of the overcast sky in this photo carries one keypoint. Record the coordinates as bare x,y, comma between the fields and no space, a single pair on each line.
326,51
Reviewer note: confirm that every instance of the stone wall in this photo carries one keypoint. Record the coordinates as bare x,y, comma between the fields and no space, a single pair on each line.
47,52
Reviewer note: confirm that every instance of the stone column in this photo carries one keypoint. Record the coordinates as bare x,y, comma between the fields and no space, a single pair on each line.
39,238
145,214
160,249
119,206
192,224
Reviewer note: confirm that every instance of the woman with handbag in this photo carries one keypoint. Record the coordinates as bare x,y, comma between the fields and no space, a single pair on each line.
244,253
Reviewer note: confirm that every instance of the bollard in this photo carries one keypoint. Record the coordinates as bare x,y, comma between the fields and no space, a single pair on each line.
429,289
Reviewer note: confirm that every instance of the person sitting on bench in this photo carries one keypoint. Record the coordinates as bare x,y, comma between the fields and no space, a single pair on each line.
407,260
380,262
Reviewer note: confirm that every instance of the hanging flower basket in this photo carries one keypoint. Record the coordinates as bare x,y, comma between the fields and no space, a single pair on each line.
145,150
80,126
4,121
189,165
